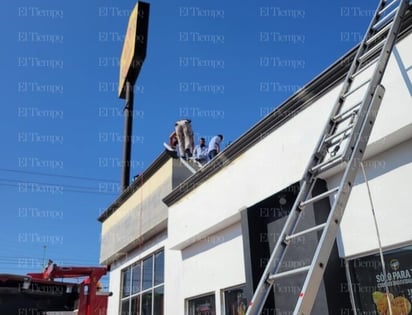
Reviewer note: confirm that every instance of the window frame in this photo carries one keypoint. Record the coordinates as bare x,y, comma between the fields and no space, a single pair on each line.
140,292
223,297
208,294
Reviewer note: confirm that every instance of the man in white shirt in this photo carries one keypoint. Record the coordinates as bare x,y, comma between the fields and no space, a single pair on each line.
214,146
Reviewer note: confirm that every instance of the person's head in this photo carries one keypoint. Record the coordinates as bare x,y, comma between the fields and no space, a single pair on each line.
220,136
202,141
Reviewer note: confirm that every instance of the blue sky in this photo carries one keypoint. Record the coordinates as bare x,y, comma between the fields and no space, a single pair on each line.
225,65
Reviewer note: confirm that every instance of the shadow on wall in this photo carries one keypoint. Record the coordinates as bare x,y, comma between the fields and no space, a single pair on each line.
404,71
206,242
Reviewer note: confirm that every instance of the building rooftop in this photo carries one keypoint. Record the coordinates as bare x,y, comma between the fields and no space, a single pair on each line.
303,98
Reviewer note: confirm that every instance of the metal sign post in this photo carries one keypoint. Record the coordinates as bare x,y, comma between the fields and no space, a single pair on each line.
128,124
131,61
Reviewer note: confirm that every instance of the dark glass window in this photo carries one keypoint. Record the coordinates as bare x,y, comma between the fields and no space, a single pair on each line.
147,303
159,268
235,301
143,286
126,283
135,305
125,308
158,301
204,305
147,273
369,282
136,278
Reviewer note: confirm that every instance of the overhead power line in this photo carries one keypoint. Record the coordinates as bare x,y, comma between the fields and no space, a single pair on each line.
27,185
56,175
106,187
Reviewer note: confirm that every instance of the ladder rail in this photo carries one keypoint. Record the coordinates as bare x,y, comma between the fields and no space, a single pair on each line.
329,127
386,49
354,66
381,65
264,285
322,253
362,48
352,155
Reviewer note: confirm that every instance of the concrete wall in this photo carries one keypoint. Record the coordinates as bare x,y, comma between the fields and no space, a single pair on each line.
142,212
143,215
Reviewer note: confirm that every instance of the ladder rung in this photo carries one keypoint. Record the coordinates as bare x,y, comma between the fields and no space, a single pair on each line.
318,197
361,70
312,229
328,164
289,273
385,18
387,7
371,51
336,135
375,36
337,140
341,116
355,89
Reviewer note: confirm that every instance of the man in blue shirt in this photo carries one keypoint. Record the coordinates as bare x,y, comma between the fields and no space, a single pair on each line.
200,152
214,146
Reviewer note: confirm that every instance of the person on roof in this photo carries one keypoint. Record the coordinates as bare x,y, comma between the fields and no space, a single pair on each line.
214,146
184,135
200,152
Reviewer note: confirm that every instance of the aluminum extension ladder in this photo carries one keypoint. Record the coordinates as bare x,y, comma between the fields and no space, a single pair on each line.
342,143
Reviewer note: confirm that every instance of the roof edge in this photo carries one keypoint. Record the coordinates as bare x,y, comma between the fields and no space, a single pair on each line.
303,98
281,114
137,183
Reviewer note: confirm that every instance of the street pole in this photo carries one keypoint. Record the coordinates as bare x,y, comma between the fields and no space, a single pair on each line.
127,146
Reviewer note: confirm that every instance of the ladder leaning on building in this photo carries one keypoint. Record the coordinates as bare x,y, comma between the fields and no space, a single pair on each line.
342,142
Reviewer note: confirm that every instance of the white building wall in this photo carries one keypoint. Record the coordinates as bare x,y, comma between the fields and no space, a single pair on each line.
174,303
114,287
277,162
115,282
389,168
280,158
271,165
207,266
389,176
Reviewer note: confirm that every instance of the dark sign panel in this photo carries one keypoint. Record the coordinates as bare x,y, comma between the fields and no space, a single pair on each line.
134,46
370,283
